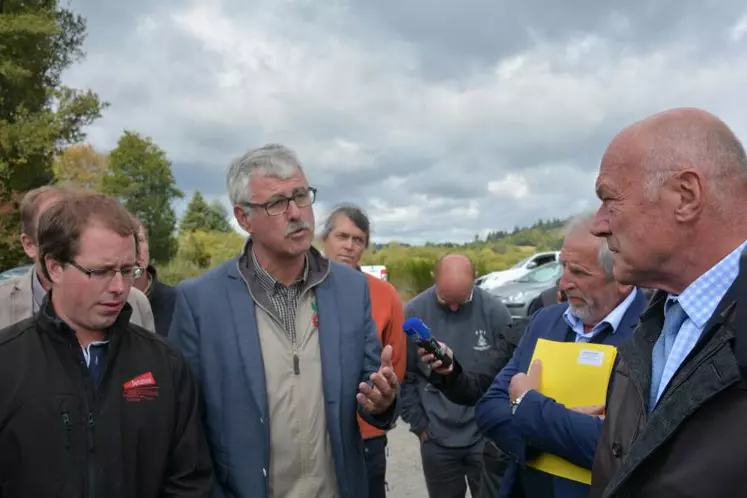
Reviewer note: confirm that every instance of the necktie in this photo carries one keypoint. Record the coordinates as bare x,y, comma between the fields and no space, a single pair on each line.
674,317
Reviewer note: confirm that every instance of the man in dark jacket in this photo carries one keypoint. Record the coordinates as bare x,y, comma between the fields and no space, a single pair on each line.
162,297
673,190
473,323
90,404
466,387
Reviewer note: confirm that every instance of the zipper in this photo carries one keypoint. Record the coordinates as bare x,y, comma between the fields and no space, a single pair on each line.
67,428
294,343
89,397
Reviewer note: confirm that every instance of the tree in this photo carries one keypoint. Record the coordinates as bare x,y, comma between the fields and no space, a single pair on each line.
217,218
38,115
140,177
80,166
205,217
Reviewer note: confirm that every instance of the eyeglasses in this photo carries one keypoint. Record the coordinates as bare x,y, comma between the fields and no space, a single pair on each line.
279,205
107,274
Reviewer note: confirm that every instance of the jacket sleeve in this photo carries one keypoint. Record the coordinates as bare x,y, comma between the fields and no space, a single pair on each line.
183,332
493,412
395,336
467,387
553,428
412,407
189,471
139,302
371,364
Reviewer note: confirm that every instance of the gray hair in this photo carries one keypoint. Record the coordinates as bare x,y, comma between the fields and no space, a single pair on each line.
270,160
710,147
354,213
604,257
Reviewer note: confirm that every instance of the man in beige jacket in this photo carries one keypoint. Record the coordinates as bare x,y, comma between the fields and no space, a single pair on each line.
20,296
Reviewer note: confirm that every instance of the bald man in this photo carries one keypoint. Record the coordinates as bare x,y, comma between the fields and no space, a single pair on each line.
472,322
674,190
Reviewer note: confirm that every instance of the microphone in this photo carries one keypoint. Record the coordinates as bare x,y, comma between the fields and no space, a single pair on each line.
417,331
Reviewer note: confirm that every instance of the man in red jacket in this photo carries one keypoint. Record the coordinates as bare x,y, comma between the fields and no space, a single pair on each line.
346,235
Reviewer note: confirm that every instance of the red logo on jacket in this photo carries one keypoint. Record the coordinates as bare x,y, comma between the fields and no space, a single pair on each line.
141,388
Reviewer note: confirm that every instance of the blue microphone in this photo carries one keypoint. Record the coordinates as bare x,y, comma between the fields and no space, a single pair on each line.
418,332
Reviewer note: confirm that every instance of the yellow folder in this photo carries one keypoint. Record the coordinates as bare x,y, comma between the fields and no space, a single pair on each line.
575,374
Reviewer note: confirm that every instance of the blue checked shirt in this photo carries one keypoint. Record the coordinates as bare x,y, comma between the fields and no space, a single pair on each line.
613,320
699,300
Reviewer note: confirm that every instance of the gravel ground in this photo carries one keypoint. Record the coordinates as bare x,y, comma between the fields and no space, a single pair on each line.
403,467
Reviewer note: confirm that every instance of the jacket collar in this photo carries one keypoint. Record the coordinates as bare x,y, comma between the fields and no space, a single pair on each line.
49,321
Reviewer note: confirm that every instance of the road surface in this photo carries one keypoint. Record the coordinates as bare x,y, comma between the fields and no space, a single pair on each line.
404,471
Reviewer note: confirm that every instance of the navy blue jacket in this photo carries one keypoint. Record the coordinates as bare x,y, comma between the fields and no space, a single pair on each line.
549,426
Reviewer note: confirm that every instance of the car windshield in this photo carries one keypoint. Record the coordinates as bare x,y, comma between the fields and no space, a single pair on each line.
521,263
543,274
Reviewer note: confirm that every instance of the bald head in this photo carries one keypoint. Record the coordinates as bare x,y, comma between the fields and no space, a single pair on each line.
686,139
454,275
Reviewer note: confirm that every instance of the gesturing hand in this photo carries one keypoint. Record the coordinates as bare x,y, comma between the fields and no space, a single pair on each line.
377,398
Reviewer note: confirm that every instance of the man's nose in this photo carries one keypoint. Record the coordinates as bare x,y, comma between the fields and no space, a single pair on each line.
117,284
599,225
293,212
565,282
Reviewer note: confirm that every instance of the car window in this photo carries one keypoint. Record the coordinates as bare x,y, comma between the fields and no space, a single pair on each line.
544,274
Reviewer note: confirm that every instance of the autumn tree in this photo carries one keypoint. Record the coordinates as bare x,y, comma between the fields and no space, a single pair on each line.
80,166
140,176
38,115
205,217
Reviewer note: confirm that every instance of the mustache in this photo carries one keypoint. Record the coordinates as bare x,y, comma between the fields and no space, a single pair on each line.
575,295
295,226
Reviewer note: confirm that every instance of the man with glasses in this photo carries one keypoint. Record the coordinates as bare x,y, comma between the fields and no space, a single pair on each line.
346,235
21,297
285,346
473,323
90,404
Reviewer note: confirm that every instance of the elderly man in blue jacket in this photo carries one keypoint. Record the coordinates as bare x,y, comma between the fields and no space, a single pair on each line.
523,422
285,347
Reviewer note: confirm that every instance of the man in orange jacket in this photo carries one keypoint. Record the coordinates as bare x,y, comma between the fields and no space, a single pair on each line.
346,234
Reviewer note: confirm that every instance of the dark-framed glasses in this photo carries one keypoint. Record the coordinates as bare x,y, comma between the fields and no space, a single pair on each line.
278,205
107,274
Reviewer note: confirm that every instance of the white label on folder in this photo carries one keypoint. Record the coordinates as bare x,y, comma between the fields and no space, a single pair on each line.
590,357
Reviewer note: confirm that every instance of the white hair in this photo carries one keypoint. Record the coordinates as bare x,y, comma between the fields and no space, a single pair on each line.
584,220
272,160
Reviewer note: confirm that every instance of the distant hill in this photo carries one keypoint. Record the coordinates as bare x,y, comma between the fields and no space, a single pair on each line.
410,267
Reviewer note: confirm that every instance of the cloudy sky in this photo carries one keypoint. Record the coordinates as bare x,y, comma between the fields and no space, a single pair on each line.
443,119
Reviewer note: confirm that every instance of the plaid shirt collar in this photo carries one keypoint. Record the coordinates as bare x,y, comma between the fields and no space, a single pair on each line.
269,283
701,297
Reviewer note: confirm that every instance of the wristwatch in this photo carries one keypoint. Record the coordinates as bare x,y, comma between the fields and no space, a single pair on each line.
515,403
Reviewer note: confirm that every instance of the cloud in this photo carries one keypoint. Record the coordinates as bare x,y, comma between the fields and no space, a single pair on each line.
441,122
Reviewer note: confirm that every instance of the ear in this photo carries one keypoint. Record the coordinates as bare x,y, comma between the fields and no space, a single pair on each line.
29,246
54,268
243,218
689,187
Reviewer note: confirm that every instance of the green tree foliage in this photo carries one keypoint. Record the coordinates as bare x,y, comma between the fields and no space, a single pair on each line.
38,115
409,267
80,166
140,177
199,251
200,215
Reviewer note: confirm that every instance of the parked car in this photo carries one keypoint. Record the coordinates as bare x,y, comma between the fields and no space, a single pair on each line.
14,272
520,295
498,278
